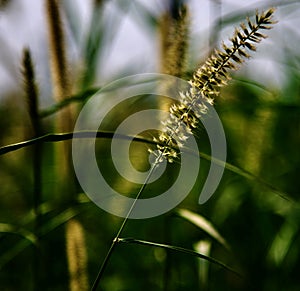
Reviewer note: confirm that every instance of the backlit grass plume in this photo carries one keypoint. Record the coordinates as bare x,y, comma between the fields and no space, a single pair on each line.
77,256
206,82
174,25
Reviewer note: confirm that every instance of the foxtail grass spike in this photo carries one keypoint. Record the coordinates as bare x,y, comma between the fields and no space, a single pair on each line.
174,39
206,83
31,90
77,257
58,55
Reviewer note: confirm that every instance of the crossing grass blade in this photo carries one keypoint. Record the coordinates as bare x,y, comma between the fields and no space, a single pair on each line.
202,223
180,250
14,229
27,238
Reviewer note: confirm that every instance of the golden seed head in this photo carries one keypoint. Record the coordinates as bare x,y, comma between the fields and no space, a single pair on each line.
207,81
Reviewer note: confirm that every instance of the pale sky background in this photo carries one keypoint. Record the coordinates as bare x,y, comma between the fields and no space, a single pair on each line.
133,47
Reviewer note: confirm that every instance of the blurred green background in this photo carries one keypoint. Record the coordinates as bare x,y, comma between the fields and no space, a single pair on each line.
255,208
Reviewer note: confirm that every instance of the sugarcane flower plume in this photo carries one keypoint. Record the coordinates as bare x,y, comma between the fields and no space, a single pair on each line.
206,83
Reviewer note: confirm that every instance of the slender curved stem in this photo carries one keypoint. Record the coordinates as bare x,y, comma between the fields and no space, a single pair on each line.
116,239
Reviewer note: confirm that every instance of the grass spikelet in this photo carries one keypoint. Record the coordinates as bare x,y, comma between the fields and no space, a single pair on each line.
208,79
58,55
77,258
174,33
31,90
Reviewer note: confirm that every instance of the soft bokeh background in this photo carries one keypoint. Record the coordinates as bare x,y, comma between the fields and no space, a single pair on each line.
260,113
130,41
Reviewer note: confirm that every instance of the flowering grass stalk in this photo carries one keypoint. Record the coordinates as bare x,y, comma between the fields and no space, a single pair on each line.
193,104
32,96
206,83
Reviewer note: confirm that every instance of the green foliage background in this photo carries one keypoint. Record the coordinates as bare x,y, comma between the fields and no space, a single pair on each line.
261,227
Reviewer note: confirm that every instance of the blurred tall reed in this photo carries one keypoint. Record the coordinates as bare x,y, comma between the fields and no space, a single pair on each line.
62,89
32,96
